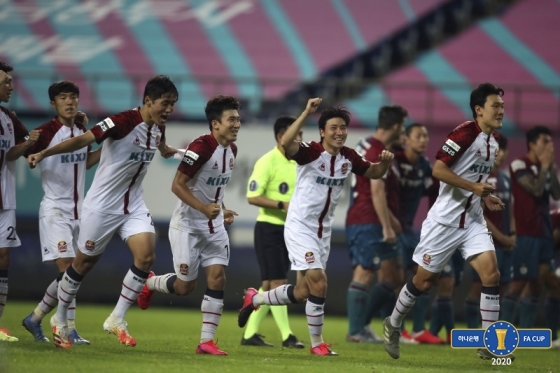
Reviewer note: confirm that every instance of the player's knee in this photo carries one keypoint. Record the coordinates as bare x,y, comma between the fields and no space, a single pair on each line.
490,278
4,258
217,282
362,275
184,287
145,262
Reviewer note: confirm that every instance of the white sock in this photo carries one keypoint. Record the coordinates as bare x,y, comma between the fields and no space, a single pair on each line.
48,303
315,312
132,286
211,309
163,284
489,305
274,297
404,303
67,289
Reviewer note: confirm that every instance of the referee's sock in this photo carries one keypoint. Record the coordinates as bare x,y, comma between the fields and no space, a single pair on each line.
280,314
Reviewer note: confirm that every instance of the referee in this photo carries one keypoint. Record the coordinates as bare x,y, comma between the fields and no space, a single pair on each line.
270,188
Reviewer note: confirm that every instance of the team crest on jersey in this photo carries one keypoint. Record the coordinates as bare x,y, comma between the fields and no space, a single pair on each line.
62,247
215,167
158,140
184,269
344,168
283,187
478,153
309,257
10,128
137,141
427,259
231,163
322,167
90,245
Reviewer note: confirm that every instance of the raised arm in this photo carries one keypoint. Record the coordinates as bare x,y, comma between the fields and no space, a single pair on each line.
288,142
66,146
377,170
20,149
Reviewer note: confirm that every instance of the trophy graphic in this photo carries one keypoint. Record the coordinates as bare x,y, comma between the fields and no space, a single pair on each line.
501,336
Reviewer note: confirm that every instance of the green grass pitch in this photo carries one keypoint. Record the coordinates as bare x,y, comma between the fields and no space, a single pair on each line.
167,339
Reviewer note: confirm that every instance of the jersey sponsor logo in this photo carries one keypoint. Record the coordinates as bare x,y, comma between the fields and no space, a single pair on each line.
215,167
283,187
344,168
192,155
452,144
136,141
480,169
62,247
73,158
106,124
184,269
5,144
427,259
231,163
253,185
217,181
90,245
322,167
517,165
330,182
309,257
141,156
448,150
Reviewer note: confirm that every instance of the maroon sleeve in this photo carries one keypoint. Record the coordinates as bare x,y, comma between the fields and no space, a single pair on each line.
555,218
233,149
359,164
20,132
197,154
457,142
116,126
48,130
307,152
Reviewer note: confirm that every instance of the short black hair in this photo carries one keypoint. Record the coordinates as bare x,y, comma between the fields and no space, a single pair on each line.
502,142
534,133
334,112
409,129
158,87
281,124
216,106
5,67
64,86
390,115
480,93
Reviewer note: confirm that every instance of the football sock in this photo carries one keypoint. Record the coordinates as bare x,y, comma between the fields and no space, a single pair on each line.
552,315
315,312
406,300
162,284
489,305
509,304
49,301
67,289
528,312
3,289
255,320
472,313
356,299
380,294
132,285
211,308
281,295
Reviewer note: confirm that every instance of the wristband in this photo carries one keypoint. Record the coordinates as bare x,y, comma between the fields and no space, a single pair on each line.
280,205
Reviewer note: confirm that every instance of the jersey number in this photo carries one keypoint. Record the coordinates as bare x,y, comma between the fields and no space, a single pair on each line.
227,251
12,235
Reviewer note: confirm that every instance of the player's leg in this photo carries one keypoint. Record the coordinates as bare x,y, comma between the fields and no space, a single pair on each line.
472,303
552,305
537,267
522,254
8,239
360,242
267,253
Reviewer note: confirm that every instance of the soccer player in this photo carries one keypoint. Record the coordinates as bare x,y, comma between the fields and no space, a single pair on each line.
534,181
415,182
270,188
115,203
321,172
455,221
63,180
14,141
371,222
196,231
501,225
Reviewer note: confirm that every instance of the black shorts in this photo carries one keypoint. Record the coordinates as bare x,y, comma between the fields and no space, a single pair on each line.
271,251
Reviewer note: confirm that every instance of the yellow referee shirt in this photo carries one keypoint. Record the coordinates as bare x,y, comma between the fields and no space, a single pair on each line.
274,176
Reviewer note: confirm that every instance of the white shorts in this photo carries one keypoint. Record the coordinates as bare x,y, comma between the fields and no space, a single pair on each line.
438,242
97,228
59,237
193,249
306,250
8,235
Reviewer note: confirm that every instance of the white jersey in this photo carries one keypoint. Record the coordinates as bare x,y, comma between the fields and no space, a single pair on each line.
319,185
469,153
62,175
128,149
209,166
12,133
